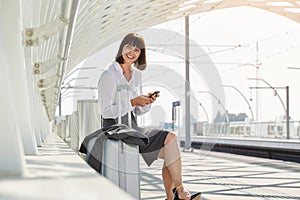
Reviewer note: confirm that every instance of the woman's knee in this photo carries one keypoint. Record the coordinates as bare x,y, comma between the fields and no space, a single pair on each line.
171,149
171,137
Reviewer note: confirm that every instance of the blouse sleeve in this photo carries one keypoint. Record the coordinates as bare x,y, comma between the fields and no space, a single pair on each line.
108,107
138,110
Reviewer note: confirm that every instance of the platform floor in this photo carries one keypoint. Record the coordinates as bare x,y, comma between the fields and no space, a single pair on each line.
59,173
227,176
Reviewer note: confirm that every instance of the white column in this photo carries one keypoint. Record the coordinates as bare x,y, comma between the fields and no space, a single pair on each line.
12,42
45,123
74,131
11,148
28,9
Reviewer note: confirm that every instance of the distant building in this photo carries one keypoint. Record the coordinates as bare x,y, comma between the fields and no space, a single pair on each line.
232,117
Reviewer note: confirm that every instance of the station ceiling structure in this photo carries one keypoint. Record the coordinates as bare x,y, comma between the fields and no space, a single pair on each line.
59,34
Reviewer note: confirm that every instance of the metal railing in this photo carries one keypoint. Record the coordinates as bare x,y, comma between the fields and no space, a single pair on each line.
248,129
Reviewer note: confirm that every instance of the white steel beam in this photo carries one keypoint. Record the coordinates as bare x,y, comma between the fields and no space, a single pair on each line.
35,36
43,67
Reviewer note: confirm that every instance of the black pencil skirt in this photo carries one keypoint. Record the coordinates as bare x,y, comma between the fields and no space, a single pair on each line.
156,137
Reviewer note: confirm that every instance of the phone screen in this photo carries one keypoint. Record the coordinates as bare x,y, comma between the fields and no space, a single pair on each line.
154,94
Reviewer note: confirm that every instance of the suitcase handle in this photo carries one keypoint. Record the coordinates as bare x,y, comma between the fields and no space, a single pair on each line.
119,89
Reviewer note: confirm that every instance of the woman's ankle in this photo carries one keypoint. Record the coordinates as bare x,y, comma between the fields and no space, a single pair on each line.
180,187
182,193
170,197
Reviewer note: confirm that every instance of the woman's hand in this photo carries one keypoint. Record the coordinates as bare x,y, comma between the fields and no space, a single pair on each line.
142,100
152,97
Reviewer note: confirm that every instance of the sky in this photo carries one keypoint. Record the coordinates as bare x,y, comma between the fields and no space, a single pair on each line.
239,39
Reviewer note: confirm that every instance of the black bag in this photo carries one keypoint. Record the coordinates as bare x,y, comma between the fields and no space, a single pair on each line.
92,144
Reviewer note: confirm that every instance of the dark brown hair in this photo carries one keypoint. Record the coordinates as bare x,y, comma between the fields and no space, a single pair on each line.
134,40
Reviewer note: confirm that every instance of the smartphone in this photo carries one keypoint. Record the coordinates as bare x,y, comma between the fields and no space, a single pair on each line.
154,94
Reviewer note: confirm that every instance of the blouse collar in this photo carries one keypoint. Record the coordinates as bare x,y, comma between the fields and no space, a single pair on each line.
119,69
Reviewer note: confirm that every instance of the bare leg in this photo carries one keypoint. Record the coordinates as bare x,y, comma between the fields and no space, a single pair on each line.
168,182
171,155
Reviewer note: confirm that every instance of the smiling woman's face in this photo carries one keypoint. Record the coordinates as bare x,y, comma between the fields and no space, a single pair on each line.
130,53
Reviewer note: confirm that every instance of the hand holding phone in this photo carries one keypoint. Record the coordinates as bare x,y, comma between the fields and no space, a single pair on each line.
154,94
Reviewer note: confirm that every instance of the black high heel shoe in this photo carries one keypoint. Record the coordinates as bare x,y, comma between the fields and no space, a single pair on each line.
196,196
193,197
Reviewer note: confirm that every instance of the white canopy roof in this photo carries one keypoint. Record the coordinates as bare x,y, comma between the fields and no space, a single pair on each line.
62,33
100,21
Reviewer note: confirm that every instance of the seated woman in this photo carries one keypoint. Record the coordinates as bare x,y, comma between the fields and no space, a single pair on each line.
126,69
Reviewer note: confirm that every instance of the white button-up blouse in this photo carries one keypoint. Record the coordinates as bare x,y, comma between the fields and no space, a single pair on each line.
107,92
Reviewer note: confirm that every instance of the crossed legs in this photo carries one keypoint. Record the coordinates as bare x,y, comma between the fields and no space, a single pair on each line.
171,171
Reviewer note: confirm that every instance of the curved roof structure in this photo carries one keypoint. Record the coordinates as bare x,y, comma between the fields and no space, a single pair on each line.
100,22
70,31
